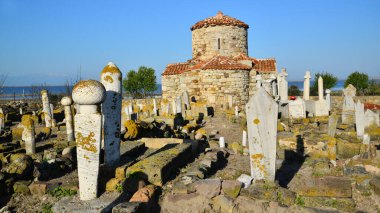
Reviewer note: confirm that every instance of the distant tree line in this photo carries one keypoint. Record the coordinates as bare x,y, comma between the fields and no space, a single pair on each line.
361,81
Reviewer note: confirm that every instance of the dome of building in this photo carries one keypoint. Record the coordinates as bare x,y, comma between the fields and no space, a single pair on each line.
219,20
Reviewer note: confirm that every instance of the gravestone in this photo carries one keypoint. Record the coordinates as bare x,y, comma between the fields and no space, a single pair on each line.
306,86
348,110
111,78
222,143
46,108
186,100
28,134
155,110
371,118
328,98
88,95
262,113
66,102
333,122
321,107
283,88
359,119
297,109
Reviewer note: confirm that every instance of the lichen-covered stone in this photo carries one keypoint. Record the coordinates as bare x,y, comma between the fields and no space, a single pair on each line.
231,188
346,149
132,130
158,167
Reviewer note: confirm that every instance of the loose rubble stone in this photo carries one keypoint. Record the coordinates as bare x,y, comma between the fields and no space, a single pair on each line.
208,187
231,188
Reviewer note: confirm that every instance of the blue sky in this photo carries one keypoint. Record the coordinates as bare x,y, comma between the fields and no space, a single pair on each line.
45,41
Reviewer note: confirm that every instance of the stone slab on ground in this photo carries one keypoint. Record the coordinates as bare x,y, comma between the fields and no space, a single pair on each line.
329,186
158,167
104,203
158,143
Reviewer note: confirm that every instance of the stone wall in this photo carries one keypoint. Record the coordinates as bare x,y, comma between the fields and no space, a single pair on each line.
212,86
232,41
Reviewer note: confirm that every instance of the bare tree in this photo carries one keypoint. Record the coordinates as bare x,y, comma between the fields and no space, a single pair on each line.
3,78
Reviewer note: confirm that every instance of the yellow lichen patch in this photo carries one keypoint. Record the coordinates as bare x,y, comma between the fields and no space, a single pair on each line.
201,131
108,78
256,121
43,92
257,162
86,157
27,121
147,108
86,143
132,129
2,115
111,68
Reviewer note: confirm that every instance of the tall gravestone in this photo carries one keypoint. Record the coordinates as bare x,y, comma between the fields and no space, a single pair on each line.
88,95
306,86
66,102
348,109
283,89
262,112
111,109
155,110
321,107
359,119
333,122
46,108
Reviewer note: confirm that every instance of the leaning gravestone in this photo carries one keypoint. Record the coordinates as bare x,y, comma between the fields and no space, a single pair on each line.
348,110
359,119
262,112
88,135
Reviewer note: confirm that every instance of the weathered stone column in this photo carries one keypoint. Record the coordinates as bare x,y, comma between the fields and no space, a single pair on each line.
359,119
66,102
46,108
348,109
111,109
178,105
306,86
88,95
236,111
53,121
28,134
320,88
328,98
262,112
21,112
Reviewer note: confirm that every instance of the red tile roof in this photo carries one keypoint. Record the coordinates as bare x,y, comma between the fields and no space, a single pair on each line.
174,69
218,20
371,106
265,65
219,62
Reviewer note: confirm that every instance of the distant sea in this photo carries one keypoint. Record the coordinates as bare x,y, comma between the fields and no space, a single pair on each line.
18,91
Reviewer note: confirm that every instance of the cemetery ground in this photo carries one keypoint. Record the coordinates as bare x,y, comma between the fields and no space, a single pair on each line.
188,170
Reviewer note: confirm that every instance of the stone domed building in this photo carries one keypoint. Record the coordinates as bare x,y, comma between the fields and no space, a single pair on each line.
220,72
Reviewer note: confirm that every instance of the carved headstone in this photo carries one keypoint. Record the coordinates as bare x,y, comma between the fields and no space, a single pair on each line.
46,108
283,88
306,86
28,134
333,122
66,102
262,113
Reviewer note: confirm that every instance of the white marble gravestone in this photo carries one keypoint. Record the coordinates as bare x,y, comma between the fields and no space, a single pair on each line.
297,109
283,85
262,112
88,95
306,86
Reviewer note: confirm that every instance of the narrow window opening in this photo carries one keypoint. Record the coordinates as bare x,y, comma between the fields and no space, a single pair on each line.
218,43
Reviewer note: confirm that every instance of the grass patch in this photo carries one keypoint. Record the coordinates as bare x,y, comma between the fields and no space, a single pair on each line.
60,192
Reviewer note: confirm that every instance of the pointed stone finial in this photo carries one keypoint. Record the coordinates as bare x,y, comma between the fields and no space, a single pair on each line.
220,13
307,74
